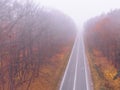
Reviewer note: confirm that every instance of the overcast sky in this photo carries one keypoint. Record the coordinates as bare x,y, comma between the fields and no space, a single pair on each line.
82,10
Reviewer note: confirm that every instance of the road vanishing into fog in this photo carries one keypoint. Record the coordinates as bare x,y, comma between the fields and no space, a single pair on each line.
77,74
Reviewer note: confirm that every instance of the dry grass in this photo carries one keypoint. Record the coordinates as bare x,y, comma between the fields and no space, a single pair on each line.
103,71
51,73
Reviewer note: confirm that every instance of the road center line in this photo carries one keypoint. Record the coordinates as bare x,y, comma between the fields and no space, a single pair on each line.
76,68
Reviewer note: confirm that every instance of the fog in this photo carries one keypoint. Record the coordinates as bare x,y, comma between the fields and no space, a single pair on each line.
82,10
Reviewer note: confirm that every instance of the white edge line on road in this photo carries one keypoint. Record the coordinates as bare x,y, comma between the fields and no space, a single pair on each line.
76,68
86,73
68,64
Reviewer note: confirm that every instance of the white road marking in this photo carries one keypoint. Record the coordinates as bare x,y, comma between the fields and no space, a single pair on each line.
68,65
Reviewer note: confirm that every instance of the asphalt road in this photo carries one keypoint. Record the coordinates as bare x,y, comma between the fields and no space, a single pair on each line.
77,74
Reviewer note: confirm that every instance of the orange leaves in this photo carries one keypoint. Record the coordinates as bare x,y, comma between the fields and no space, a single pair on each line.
104,71
51,72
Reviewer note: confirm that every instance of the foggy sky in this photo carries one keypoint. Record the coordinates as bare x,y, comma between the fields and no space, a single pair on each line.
82,10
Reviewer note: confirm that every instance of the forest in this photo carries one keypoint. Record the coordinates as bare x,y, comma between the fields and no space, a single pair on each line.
35,43
102,42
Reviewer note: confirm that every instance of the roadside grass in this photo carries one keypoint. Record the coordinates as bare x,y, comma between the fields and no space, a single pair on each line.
50,74
102,71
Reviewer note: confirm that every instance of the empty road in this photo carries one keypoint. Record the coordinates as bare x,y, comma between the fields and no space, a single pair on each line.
77,74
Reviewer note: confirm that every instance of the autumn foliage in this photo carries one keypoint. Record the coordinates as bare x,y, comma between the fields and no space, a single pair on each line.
35,43
102,40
